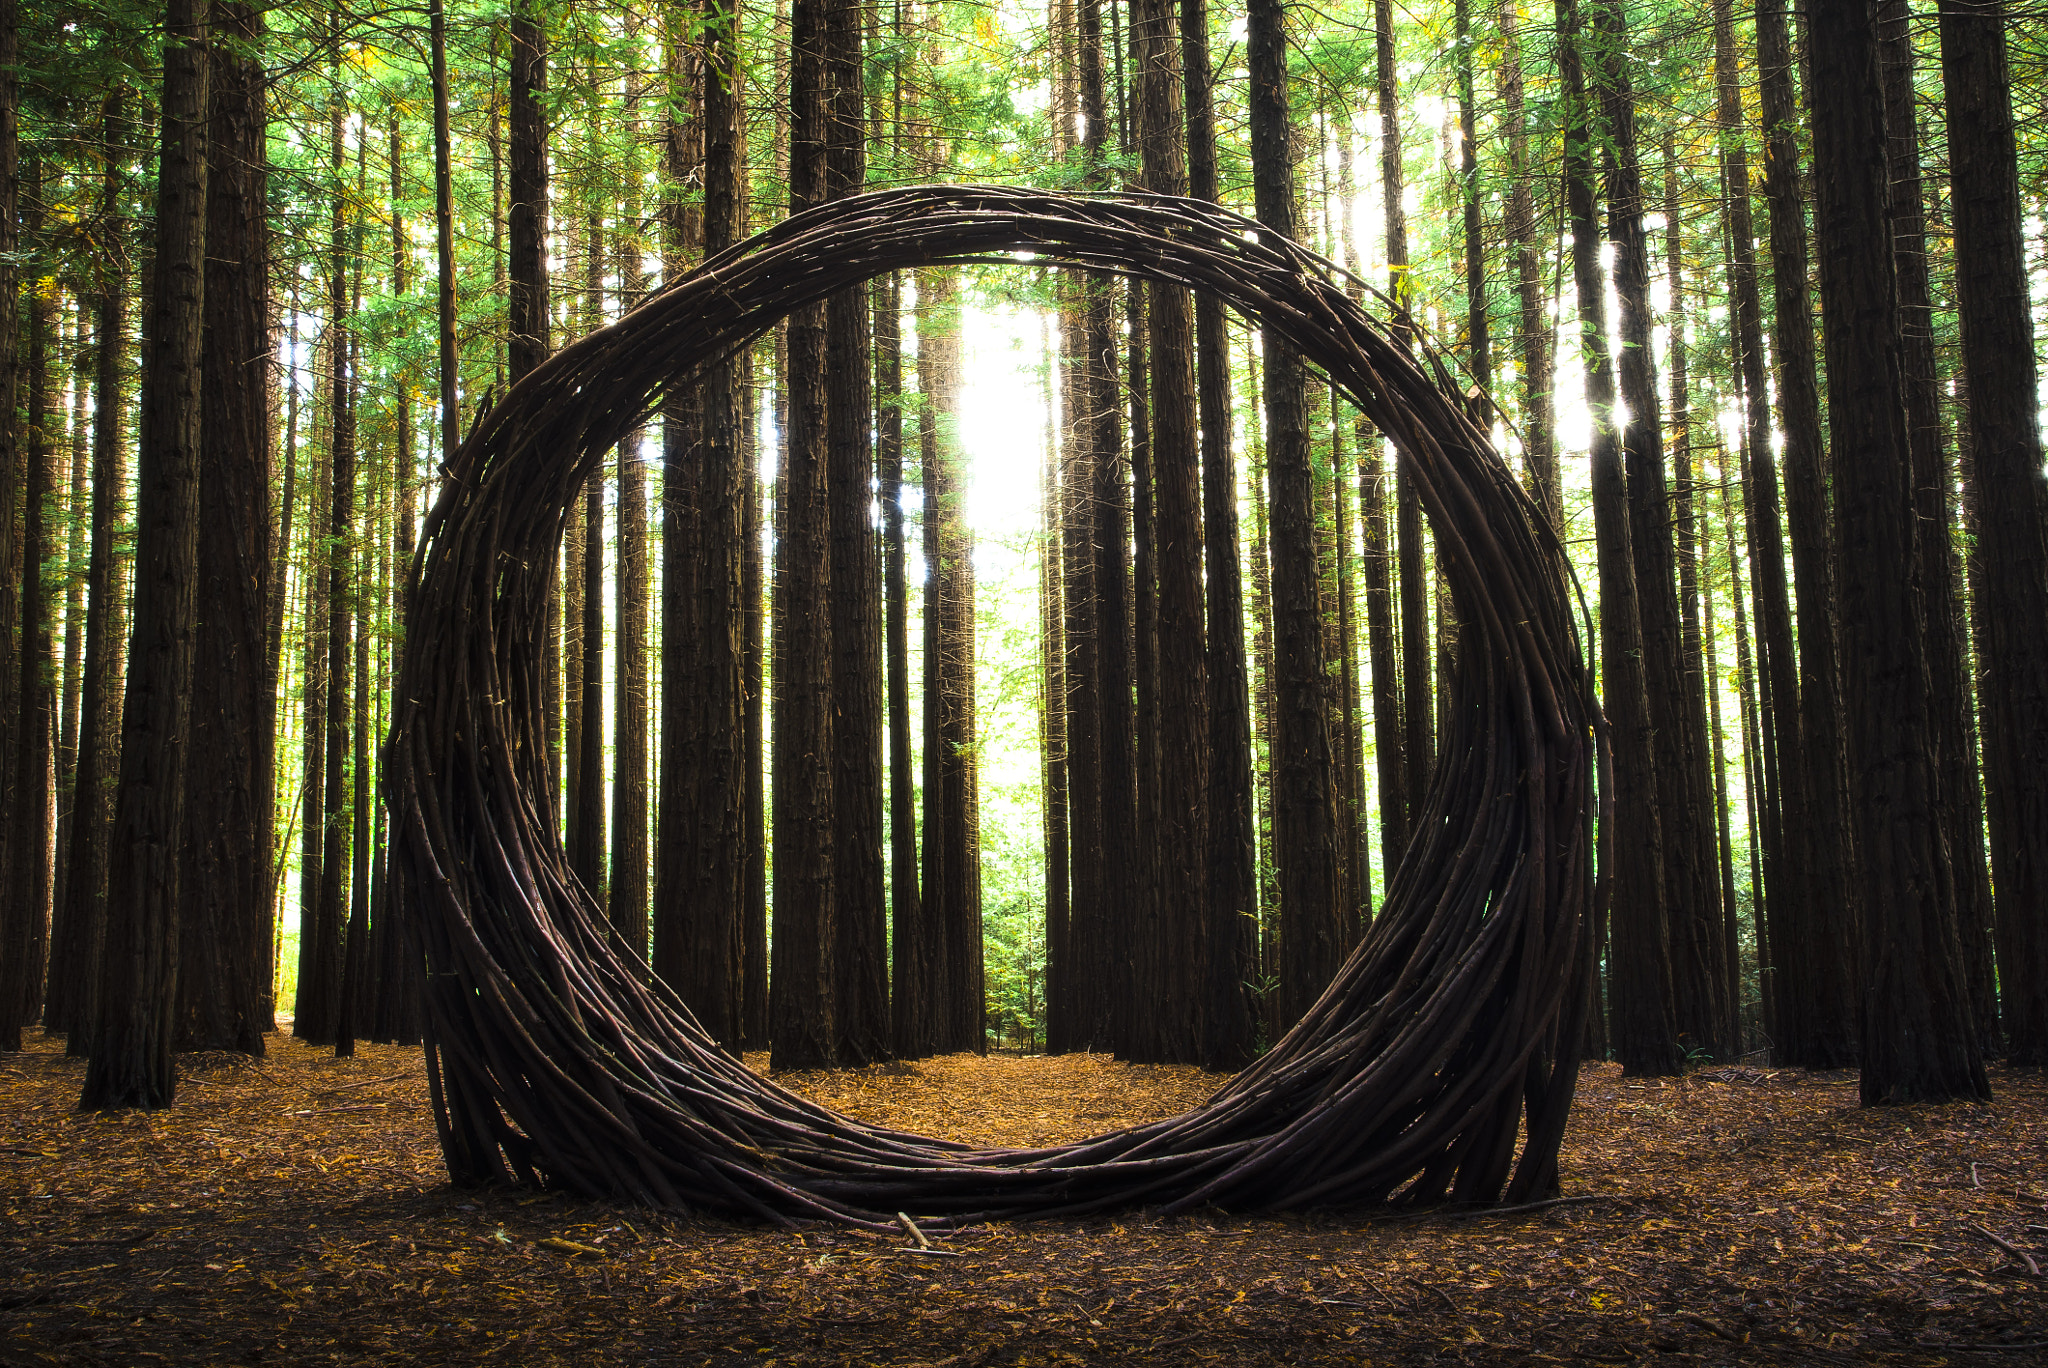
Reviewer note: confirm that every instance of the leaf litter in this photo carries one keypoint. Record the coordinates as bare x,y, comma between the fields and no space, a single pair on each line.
294,1210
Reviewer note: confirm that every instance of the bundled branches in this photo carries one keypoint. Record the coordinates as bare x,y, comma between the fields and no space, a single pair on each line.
1447,1039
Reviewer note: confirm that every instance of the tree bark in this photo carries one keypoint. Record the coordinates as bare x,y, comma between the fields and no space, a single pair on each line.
224,900
1678,765
1535,334
802,992
132,1036
627,905
1704,954
26,923
861,889
13,972
1418,749
699,944
1178,944
1818,915
1643,1033
1917,1039
1230,885
527,269
2011,508
75,953
1304,826
586,739
909,969
1960,809
1115,630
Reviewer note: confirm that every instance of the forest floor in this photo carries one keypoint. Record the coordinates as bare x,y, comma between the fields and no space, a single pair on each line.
294,1211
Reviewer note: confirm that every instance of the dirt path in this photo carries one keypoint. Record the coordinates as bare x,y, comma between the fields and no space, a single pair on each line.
295,1212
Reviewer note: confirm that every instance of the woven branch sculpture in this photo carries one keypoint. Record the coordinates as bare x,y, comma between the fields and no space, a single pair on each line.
1448,1038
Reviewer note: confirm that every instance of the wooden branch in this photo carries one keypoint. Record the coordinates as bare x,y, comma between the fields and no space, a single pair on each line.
1449,1037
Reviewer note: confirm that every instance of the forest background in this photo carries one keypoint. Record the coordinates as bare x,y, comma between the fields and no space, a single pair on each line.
1039,662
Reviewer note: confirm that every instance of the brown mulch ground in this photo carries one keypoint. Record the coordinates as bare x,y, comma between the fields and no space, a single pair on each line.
295,1211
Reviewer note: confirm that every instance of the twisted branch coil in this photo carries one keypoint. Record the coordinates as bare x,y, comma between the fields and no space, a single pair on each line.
1439,1063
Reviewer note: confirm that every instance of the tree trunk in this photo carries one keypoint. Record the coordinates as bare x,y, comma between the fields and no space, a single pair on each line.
1230,884
909,969
1478,343
1535,335
699,944
1818,915
1690,896
1705,951
1132,960
627,904
586,740
131,1055
802,994
1642,1030
79,461
1304,826
224,903
314,945
14,973
1077,1008
1115,630
1960,810
26,924
75,954
527,271
1917,1039
2011,508
952,869
860,890
1178,944
1419,746
1757,770
1782,866
318,1010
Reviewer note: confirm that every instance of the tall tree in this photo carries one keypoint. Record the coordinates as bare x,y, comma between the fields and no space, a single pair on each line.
75,954
1179,946
909,970
1534,333
802,1004
699,856
1690,894
1818,914
28,870
586,741
1113,588
1708,936
1304,820
860,892
1783,870
627,902
14,973
1644,1035
1478,339
132,1032
322,935
2011,507
1960,810
952,869
1075,1008
1230,879
1411,567
1917,1040
224,887
527,262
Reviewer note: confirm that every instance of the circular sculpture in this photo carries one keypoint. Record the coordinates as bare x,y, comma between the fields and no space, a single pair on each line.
1450,1034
